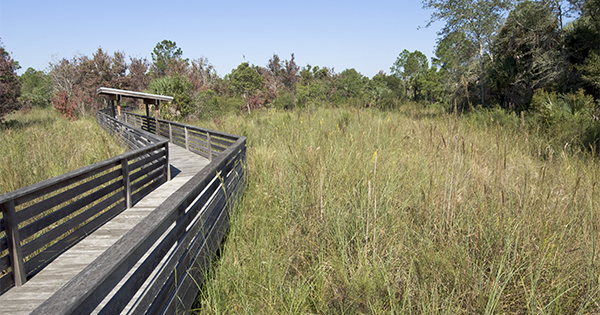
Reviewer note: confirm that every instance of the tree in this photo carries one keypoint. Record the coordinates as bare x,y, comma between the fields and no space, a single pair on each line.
290,74
454,56
478,20
10,87
179,88
202,74
36,88
411,66
591,70
247,82
528,52
138,78
351,83
163,55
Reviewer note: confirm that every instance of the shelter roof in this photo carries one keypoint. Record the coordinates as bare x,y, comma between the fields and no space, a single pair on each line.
147,97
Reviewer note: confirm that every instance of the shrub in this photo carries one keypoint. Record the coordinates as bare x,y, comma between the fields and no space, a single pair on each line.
285,100
10,88
179,87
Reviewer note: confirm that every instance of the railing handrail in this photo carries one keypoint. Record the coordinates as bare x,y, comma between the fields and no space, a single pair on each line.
91,280
224,175
86,192
212,132
16,194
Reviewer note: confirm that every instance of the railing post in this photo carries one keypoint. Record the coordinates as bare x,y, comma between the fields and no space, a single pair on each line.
168,166
126,182
170,133
209,148
14,242
187,146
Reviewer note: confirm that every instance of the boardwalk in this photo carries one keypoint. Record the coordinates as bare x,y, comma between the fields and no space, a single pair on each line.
24,299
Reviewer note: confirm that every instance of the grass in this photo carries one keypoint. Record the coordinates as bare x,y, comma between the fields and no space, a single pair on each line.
417,211
40,144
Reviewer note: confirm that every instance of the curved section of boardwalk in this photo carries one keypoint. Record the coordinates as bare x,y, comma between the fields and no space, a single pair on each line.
24,299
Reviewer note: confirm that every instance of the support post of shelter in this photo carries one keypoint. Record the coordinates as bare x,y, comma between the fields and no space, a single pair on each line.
156,118
147,117
112,108
149,99
119,106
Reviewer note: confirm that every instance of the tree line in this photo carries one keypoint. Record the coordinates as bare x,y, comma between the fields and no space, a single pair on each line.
518,55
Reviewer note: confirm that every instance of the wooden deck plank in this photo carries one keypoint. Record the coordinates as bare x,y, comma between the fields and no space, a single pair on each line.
24,299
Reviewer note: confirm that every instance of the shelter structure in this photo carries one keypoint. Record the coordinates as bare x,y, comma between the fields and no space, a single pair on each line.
149,99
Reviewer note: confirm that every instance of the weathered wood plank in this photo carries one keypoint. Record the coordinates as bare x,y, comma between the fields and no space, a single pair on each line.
146,169
6,282
47,256
212,132
72,223
3,244
56,200
102,231
146,190
182,298
183,197
154,172
59,214
14,242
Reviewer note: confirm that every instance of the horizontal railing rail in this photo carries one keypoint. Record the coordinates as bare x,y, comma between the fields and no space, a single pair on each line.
204,142
172,247
41,221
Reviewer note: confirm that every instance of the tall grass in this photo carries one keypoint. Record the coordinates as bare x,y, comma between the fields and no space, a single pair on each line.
40,144
363,211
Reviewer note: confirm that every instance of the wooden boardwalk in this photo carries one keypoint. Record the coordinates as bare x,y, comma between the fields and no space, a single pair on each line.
24,299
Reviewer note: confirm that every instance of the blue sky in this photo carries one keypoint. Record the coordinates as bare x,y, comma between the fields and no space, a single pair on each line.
366,36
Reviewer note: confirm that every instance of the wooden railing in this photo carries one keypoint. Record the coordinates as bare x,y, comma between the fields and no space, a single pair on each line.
41,221
128,135
173,246
204,142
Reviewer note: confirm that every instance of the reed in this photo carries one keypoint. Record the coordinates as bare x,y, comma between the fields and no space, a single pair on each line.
365,211
40,144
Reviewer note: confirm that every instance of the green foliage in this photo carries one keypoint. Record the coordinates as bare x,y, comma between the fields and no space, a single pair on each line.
163,55
351,84
208,104
36,88
412,68
591,70
10,87
477,20
245,80
527,52
180,89
285,100
385,91
568,118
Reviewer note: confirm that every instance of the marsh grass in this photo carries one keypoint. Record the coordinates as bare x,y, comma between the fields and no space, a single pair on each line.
40,144
364,211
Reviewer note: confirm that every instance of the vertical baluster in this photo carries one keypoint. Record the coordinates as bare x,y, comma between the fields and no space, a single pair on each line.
14,242
187,146
209,147
126,182
168,166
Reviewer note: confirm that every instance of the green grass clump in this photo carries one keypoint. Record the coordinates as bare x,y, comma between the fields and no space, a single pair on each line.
364,211
40,144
